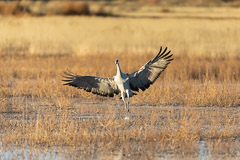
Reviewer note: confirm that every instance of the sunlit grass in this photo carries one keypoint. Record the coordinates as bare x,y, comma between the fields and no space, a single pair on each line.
56,35
194,99
186,81
32,88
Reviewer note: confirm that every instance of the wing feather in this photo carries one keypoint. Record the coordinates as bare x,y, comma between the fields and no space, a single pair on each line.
96,85
149,72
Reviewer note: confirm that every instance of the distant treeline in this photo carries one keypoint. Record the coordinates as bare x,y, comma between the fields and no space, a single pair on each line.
71,7
48,7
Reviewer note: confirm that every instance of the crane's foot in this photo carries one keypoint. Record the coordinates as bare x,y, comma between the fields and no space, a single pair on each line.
127,115
126,118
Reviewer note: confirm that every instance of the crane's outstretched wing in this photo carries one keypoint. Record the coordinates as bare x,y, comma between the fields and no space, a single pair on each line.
149,73
96,85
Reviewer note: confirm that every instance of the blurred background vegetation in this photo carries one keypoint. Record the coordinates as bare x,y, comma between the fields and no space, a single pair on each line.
39,40
100,7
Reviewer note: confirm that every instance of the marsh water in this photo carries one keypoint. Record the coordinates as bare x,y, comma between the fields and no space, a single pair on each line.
205,148
56,153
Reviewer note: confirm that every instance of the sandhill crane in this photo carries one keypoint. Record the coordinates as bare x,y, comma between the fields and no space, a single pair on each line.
122,83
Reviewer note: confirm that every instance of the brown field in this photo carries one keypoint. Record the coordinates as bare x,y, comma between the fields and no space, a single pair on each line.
192,110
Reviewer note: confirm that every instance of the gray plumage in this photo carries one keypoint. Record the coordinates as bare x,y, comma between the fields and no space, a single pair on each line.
96,85
122,83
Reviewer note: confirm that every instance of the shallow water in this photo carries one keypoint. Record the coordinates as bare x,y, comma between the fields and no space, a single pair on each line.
32,153
206,148
58,153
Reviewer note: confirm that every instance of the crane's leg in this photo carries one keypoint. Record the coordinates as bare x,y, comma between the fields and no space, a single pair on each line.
128,100
123,98
123,94
127,106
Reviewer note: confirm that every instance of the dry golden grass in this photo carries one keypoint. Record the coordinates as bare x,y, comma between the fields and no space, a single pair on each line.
187,81
79,35
37,110
195,100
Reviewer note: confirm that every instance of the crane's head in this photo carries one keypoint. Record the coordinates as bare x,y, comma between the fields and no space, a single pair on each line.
116,62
